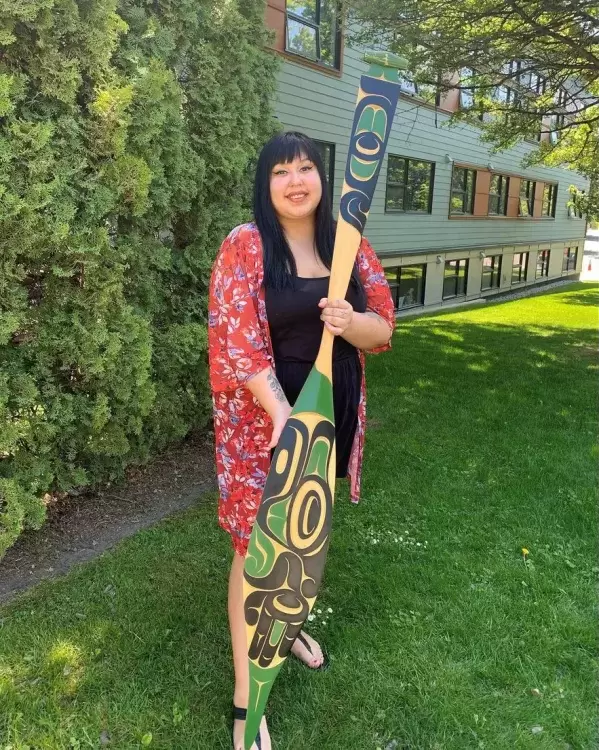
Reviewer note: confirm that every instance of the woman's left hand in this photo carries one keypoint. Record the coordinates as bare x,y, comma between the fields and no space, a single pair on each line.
337,315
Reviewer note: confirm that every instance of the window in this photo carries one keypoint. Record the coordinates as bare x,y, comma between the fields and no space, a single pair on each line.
407,285
549,200
506,98
530,80
463,183
570,258
527,198
491,277
468,98
466,93
576,210
313,31
538,84
454,283
498,192
408,85
409,185
558,120
519,267
429,92
543,263
538,132
327,153
510,68
523,72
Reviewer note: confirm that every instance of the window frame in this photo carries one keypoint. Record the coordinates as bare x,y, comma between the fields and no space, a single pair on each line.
466,91
575,211
540,85
495,273
394,287
429,93
408,85
531,186
526,79
551,203
511,99
543,259
404,184
522,270
433,98
502,199
331,169
567,258
469,91
456,276
336,35
463,192
558,120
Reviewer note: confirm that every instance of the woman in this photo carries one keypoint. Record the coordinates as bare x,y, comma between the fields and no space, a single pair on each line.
267,308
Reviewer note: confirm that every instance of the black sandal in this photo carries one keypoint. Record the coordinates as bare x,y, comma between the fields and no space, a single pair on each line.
325,658
241,715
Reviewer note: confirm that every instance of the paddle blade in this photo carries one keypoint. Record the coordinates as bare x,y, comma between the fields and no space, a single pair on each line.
289,542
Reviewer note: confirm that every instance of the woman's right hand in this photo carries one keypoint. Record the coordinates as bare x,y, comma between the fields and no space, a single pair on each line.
279,420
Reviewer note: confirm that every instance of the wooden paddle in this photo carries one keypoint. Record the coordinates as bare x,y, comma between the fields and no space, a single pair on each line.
289,542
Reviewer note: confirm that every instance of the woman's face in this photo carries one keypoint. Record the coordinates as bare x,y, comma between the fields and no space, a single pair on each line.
295,188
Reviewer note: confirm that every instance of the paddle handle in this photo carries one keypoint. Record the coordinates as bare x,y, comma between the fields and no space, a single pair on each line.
373,118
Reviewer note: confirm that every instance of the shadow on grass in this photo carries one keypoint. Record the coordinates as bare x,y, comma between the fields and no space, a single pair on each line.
477,359
490,409
130,645
583,299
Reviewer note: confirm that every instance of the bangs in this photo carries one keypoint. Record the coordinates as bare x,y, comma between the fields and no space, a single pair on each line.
287,147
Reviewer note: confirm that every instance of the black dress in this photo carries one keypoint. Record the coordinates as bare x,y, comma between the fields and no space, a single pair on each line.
296,331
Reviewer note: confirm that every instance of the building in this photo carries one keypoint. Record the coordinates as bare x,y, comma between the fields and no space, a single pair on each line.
450,221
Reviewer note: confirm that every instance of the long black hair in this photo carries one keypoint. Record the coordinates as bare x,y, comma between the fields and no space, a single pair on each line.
279,263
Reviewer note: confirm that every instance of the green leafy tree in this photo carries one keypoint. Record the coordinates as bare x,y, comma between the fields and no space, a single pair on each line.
126,130
555,79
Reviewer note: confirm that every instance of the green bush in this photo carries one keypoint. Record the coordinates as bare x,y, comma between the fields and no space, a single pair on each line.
126,130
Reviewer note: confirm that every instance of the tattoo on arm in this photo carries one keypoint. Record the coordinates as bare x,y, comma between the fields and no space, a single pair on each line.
276,387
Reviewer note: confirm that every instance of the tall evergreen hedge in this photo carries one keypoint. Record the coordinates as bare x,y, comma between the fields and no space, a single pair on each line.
126,130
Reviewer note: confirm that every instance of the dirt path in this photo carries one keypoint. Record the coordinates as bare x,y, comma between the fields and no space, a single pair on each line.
82,527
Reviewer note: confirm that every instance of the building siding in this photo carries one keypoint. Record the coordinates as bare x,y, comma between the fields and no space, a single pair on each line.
322,106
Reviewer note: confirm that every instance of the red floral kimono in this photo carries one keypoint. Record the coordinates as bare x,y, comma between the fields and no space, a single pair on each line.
240,347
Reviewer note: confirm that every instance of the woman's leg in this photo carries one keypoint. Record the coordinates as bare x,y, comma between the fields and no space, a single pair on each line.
240,654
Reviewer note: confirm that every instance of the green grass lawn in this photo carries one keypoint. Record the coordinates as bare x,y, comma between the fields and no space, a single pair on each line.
483,441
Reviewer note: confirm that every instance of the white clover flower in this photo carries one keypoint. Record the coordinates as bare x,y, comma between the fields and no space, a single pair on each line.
311,617
330,611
